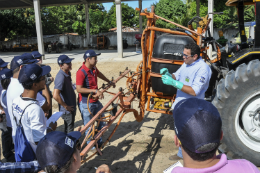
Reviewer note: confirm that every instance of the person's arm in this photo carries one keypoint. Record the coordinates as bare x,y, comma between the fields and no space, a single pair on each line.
103,77
18,167
48,103
57,97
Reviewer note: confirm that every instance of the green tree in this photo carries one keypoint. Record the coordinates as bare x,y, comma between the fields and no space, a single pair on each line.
173,10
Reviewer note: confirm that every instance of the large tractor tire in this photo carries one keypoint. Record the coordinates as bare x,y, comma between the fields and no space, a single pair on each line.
238,102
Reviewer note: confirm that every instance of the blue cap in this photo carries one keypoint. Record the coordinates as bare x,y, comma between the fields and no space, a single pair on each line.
26,58
56,148
6,74
197,124
64,59
3,63
91,53
32,72
36,55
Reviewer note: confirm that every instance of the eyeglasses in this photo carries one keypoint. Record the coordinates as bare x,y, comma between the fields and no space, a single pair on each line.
186,56
78,146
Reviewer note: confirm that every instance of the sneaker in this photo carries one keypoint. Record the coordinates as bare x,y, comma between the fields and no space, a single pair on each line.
175,157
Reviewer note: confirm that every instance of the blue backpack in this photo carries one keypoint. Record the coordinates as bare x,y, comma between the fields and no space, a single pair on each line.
23,149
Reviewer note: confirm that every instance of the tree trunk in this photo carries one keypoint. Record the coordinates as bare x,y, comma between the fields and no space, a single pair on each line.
198,9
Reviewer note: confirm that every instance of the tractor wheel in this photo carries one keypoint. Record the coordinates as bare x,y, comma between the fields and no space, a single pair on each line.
238,102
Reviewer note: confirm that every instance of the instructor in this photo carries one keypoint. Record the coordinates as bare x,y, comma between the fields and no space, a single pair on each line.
191,79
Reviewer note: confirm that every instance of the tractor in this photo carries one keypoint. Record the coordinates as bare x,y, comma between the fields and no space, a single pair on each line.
234,85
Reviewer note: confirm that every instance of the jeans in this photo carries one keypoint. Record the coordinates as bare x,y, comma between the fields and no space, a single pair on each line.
180,153
69,119
86,116
7,144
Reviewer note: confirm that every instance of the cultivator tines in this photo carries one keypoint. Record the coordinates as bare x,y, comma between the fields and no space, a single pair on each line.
121,102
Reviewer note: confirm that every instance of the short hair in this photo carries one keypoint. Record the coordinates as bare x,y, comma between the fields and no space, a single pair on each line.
195,49
5,83
28,86
16,70
202,156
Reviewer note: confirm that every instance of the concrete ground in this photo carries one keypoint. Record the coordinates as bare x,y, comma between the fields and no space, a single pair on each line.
107,55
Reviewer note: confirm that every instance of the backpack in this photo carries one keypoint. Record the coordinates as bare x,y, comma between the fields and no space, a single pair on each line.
23,149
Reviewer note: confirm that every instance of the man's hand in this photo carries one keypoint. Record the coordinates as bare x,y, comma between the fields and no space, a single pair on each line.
98,95
103,169
53,126
164,71
167,80
69,108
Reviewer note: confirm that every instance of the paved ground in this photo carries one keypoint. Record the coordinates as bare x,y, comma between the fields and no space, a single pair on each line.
107,55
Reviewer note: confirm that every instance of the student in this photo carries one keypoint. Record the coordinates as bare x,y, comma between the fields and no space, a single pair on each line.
15,89
64,93
86,83
26,109
7,142
197,125
60,152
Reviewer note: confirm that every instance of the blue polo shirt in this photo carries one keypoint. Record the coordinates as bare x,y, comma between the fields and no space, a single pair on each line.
196,75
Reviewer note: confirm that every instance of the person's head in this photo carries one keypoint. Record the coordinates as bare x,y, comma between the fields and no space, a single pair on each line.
3,64
18,62
90,57
32,77
65,63
59,152
38,56
197,125
191,53
5,77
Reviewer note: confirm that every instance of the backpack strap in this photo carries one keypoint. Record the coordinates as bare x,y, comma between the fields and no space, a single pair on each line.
21,114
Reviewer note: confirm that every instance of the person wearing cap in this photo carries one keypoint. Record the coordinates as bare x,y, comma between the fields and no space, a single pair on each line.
7,142
60,152
15,89
191,79
38,56
33,121
86,83
3,64
64,93
198,131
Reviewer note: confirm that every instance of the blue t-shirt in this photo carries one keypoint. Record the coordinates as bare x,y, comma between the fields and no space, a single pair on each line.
196,75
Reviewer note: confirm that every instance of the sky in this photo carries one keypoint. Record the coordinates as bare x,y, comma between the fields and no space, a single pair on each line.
134,4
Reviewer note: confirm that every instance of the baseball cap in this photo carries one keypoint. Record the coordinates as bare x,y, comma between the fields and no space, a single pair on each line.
3,63
23,59
91,53
64,59
36,55
197,125
56,148
32,72
6,74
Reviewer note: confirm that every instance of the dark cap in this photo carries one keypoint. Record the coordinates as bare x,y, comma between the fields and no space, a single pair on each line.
26,58
6,74
64,59
36,55
32,72
56,148
91,53
197,124
3,63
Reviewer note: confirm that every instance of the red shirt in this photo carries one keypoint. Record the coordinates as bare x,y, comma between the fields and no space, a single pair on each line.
87,81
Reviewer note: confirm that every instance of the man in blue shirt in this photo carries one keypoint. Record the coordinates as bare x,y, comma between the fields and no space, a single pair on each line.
191,79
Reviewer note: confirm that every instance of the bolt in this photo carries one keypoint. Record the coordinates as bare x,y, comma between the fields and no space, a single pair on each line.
250,115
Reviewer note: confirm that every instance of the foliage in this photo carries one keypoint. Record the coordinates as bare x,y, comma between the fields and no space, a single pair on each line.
173,10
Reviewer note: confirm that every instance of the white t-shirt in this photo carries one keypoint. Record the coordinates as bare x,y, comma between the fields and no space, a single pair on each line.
14,90
33,119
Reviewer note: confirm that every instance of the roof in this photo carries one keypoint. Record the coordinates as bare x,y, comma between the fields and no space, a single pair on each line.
13,4
234,2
